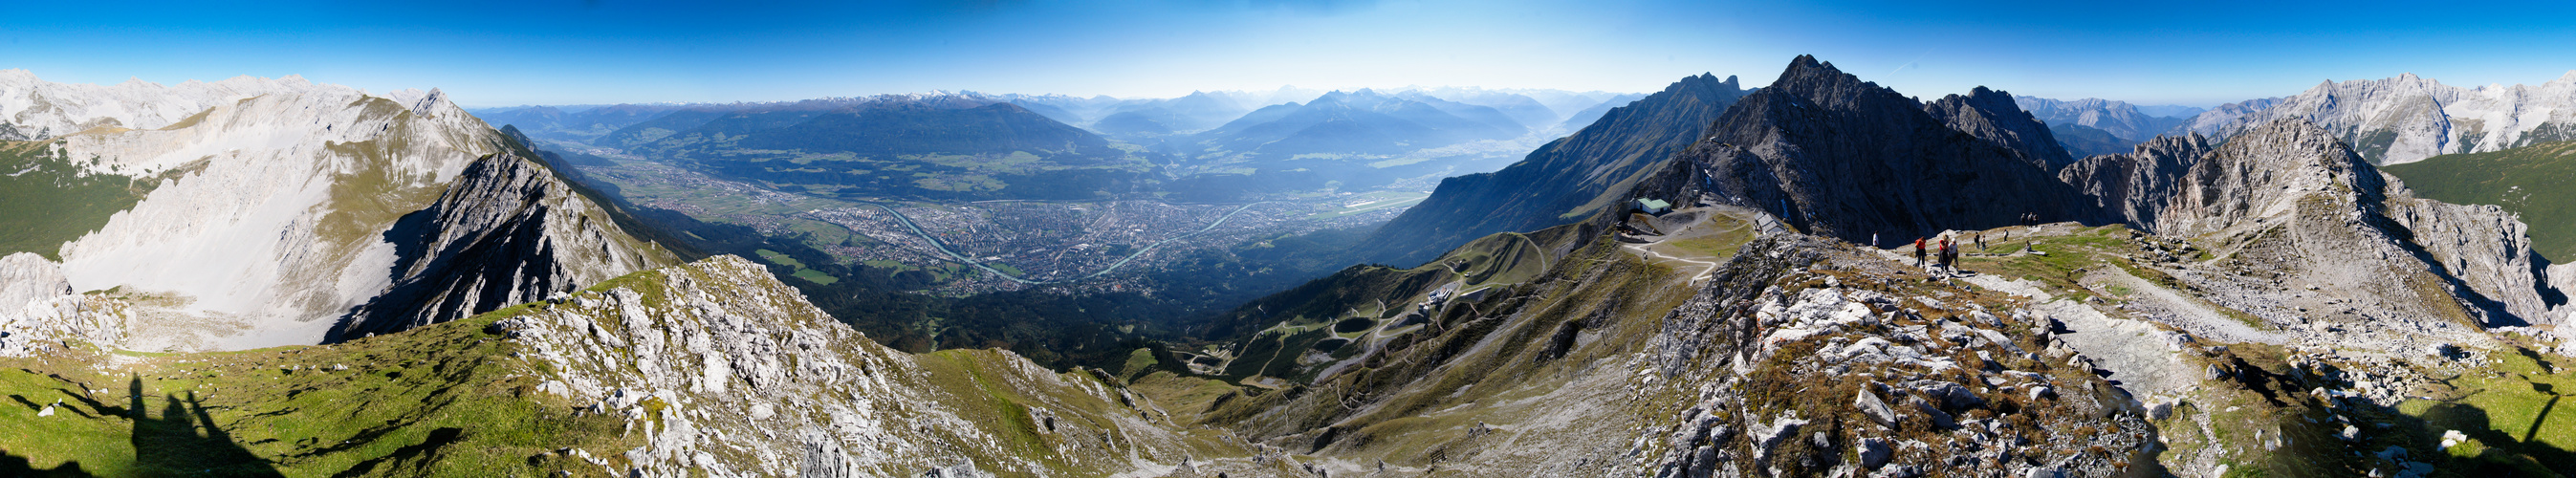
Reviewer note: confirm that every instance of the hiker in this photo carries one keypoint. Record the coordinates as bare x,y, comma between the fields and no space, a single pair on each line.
1949,256
1943,256
1918,253
1981,241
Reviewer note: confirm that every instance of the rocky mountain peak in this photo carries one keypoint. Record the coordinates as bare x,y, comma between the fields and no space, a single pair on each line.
2265,172
1818,83
1993,115
1851,159
509,231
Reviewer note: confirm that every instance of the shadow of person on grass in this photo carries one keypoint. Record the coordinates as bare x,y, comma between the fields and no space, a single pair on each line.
185,441
14,465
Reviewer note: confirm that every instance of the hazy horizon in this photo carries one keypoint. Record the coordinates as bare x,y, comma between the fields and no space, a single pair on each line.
498,54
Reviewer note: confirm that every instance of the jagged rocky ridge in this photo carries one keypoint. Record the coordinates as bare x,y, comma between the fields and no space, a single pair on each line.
2135,185
1844,158
507,232
2296,178
2409,118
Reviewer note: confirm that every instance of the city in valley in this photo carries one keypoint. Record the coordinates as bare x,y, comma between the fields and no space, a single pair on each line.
999,245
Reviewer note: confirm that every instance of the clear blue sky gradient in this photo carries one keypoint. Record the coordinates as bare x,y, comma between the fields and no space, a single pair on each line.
607,51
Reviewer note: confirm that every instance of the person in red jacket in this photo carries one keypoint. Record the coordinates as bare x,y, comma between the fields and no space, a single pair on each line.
1949,255
1918,253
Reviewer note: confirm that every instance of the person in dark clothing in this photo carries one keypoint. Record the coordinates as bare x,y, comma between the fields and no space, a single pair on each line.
1918,253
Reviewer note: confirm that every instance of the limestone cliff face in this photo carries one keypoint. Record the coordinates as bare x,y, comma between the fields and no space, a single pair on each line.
277,206
2266,173
2135,185
2487,249
2292,197
508,231
39,315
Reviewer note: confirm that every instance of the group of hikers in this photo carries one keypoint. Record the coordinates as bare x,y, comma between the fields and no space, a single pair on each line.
1941,250
1945,253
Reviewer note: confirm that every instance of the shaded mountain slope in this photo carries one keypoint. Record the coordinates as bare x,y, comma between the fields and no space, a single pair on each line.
2134,186
1853,160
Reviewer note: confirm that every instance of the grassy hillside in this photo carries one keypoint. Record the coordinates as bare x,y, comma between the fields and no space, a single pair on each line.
468,398
427,402
1290,335
2537,181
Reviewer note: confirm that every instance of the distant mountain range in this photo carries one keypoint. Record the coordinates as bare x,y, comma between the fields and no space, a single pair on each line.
934,145
1565,180
2410,118
2094,126
1226,145
577,124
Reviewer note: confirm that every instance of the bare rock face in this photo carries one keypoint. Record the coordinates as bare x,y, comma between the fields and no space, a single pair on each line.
508,231
2562,278
2135,185
281,206
2293,201
2265,173
2488,250
26,278
39,313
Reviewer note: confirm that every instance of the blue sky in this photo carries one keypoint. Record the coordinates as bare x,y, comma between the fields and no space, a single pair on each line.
607,51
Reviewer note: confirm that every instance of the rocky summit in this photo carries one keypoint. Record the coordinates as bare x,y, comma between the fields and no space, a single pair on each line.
305,280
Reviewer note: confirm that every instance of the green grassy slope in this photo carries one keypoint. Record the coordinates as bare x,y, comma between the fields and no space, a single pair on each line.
1277,329
462,399
51,200
2537,181
433,401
